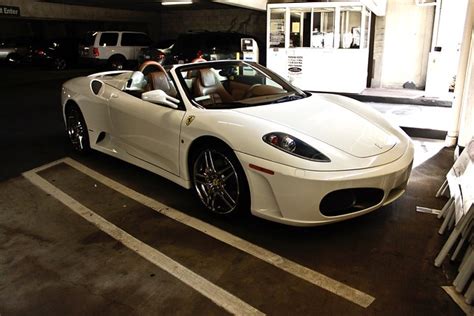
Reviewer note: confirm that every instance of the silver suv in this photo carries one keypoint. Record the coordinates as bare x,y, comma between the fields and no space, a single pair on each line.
114,48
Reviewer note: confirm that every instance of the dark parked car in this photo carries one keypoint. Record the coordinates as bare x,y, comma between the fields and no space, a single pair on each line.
207,45
57,53
157,51
14,50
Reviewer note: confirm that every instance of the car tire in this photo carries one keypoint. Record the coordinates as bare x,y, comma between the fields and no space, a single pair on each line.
59,63
117,62
77,130
219,181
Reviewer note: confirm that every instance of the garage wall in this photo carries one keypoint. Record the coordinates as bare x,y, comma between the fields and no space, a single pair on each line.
41,19
51,20
49,29
43,10
407,32
236,20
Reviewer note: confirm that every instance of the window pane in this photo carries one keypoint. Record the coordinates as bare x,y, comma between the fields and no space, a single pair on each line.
300,27
323,28
135,39
108,39
277,27
128,39
350,27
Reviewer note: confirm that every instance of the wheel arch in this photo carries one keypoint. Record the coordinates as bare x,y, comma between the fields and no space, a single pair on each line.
213,141
117,55
12,54
115,59
69,105
199,143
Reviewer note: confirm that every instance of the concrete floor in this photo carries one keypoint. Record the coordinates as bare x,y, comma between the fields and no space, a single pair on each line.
52,261
416,116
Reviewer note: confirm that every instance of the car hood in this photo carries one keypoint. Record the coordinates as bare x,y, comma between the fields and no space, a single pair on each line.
330,119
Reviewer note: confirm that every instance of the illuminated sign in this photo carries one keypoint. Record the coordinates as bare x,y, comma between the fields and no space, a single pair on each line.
9,11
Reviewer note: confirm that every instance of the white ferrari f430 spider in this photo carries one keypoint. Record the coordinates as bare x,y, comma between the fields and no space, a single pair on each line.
243,139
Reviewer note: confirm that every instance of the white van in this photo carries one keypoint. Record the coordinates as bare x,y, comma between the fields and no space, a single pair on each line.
114,48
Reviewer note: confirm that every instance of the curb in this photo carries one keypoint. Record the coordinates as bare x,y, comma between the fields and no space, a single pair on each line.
393,100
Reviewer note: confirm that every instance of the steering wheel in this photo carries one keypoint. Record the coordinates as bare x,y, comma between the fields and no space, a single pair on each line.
151,66
249,92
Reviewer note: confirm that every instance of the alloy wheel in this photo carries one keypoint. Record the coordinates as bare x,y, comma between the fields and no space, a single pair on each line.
76,130
60,64
216,181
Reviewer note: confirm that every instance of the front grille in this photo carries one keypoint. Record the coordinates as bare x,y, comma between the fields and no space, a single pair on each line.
348,201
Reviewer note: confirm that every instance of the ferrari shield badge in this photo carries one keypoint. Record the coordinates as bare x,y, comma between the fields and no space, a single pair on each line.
189,120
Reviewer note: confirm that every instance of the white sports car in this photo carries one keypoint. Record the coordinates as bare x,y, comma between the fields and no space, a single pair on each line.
243,138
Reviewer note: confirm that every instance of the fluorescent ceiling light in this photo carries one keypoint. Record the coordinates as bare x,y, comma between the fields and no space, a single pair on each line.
176,2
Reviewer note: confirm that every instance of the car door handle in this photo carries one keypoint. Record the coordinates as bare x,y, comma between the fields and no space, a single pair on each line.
113,95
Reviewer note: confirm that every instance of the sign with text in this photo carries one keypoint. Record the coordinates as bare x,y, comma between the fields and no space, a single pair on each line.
295,67
461,181
9,11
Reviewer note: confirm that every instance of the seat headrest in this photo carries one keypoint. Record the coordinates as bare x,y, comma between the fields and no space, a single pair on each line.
136,82
208,79
160,81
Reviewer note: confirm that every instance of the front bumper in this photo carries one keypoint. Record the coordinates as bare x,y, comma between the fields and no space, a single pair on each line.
293,196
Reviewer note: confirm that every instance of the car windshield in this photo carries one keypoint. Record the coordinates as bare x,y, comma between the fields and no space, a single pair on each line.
227,85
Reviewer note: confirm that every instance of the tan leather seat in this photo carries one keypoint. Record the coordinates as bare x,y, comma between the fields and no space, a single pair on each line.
159,80
207,83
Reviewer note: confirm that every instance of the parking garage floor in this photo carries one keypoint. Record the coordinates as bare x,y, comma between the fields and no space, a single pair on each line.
92,234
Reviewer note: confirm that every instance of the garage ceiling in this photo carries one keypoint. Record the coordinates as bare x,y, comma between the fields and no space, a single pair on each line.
145,5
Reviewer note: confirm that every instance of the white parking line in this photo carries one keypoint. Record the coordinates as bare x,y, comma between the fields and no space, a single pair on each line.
216,294
345,291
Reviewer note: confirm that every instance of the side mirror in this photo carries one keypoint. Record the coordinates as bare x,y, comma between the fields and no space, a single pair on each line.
160,97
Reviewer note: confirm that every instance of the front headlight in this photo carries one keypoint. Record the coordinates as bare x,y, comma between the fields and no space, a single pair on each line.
294,146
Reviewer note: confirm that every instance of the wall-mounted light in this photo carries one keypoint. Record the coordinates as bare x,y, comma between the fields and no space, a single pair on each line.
176,2
421,3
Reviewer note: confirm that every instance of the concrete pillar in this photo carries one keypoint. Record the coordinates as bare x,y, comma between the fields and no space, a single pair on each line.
466,130
447,36
464,90
379,40
407,31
